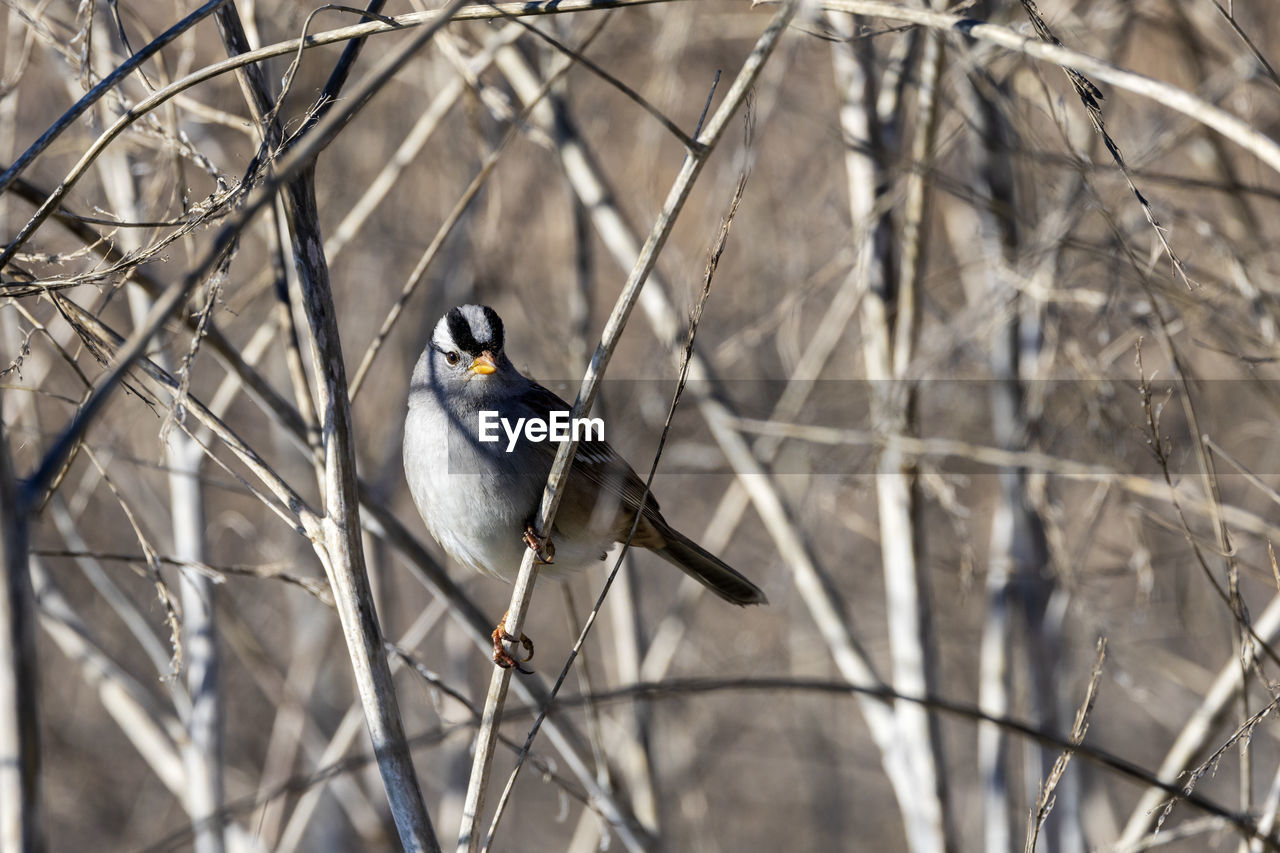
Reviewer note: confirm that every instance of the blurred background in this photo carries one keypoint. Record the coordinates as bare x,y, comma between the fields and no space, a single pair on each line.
986,375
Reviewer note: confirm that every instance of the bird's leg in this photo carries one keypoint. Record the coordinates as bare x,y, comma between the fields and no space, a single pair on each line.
544,554
501,656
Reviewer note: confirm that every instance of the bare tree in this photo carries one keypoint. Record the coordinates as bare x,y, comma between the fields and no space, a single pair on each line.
986,374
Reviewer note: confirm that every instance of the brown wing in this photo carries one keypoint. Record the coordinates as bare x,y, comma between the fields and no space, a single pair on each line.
601,481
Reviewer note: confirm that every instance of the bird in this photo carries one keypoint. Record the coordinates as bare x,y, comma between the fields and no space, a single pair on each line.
479,498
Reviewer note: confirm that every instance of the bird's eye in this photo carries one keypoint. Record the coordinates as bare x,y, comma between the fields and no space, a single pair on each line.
451,357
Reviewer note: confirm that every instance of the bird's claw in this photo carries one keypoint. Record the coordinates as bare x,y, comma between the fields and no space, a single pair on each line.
544,554
502,657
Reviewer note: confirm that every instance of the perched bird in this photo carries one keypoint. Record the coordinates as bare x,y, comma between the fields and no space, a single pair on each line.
479,499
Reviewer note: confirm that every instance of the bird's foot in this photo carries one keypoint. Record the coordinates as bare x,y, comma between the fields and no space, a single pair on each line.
544,554
501,656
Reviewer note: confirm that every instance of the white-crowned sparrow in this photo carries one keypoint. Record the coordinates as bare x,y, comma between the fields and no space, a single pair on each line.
480,498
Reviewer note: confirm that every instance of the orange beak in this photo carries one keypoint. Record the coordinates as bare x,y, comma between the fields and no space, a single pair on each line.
483,364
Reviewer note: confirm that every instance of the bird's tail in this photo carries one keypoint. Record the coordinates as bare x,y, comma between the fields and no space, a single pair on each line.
708,569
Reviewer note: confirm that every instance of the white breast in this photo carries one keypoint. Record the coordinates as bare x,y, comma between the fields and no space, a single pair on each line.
476,503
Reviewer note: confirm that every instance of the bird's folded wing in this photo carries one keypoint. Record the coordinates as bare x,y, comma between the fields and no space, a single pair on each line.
596,462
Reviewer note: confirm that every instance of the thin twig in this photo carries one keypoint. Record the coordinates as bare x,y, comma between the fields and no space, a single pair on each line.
1044,803
580,57
1237,130
299,157
695,319
468,839
419,274
91,97
375,515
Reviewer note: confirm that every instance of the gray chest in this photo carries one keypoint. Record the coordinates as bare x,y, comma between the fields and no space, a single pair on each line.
475,498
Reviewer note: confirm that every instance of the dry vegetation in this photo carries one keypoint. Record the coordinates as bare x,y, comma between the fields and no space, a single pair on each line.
984,397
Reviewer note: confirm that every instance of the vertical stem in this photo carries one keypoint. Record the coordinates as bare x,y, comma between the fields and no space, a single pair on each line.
201,708
19,735
19,723
754,483
1019,584
888,326
342,551
993,689
695,159
999,239
203,755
